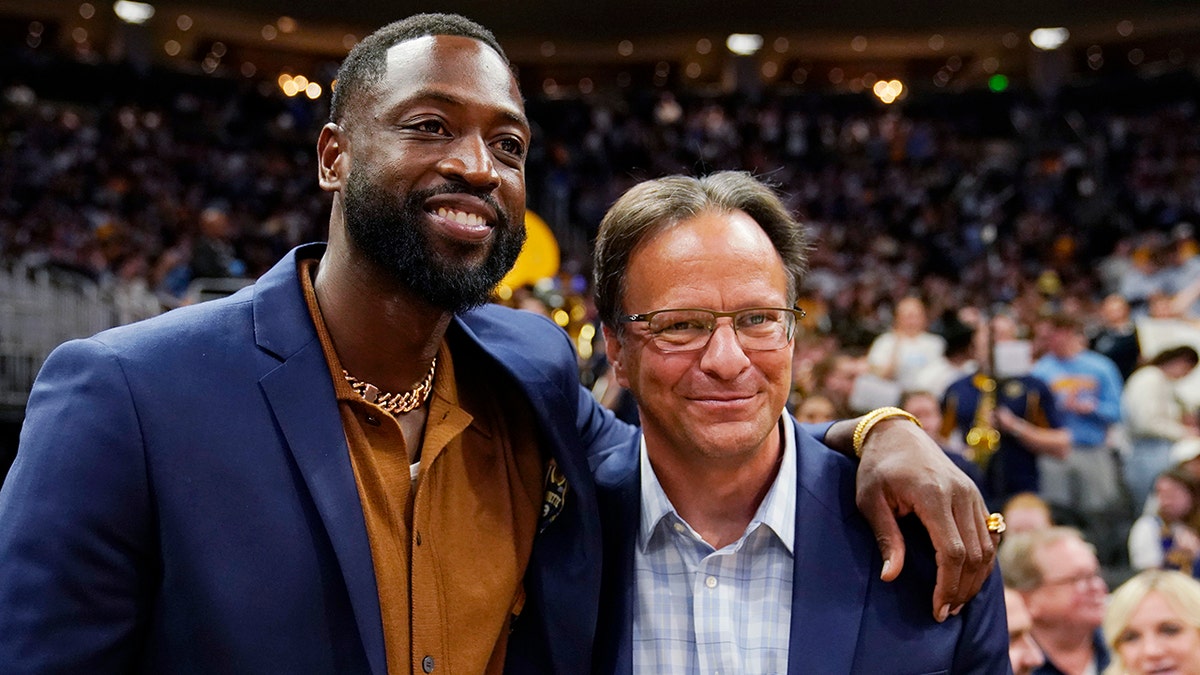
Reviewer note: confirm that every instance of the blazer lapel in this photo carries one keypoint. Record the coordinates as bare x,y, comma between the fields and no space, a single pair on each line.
832,565
300,393
565,563
618,486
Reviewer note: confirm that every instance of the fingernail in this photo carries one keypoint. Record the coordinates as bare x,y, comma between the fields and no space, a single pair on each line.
884,571
956,610
943,613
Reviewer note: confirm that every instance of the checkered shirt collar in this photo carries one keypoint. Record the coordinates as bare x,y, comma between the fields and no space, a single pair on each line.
777,510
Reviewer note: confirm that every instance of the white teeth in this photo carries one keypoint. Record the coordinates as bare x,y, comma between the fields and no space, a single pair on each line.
460,217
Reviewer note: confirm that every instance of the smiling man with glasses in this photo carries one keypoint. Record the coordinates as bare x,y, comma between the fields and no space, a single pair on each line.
1057,573
732,540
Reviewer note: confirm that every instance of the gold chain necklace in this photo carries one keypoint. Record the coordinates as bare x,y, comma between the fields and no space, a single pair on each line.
395,403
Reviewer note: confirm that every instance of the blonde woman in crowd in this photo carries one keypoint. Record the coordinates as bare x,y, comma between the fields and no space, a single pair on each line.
1152,625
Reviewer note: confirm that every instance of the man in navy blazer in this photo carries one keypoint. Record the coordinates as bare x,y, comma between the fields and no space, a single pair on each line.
184,498
144,532
732,541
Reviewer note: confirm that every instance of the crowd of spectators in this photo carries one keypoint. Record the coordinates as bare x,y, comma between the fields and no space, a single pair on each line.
112,178
926,215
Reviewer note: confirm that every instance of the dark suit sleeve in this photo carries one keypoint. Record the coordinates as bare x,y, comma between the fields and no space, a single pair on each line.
599,429
75,522
983,646
818,431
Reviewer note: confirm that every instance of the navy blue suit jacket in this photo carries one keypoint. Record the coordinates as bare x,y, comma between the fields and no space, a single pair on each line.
182,499
844,619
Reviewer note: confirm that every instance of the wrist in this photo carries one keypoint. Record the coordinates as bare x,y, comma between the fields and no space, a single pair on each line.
874,417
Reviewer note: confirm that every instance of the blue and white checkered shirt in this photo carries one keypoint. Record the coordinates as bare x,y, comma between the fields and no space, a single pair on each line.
699,610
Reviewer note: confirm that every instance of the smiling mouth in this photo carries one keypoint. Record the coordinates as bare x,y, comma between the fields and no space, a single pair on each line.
461,217
722,399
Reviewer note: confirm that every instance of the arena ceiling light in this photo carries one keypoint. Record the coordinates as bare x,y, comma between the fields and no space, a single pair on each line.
744,44
1049,39
133,12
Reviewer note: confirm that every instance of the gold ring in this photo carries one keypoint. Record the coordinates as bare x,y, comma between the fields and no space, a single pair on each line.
995,523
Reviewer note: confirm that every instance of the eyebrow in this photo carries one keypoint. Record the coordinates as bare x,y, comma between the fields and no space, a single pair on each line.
437,95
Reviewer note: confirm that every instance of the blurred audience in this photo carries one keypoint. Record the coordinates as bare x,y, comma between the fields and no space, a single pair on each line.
1168,538
1084,487
1057,574
1006,424
1116,336
1023,650
1155,417
1025,512
816,408
906,351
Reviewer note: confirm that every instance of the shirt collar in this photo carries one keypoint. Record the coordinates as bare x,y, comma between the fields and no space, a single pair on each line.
777,510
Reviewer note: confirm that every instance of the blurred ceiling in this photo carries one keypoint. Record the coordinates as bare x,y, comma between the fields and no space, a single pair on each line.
574,39
626,19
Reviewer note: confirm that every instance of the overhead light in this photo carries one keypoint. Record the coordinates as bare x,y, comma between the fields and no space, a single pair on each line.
744,44
888,90
133,12
1049,39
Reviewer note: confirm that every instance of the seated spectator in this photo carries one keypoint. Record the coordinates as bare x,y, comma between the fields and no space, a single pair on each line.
1023,650
1186,455
1154,417
1167,538
908,349
1153,625
834,377
213,254
1025,512
1058,576
816,408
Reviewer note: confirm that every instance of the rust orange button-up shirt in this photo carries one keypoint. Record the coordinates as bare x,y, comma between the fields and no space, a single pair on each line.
450,557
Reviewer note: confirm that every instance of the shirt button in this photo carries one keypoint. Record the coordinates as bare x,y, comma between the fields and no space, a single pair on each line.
427,664
711,582
679,528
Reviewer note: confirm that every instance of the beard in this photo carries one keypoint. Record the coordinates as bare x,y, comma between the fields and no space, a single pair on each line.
389,232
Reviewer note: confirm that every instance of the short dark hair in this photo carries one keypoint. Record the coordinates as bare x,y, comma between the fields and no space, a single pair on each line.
654,205
367,62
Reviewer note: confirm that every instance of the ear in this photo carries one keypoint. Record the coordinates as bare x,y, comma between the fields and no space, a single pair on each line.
333,158
616,358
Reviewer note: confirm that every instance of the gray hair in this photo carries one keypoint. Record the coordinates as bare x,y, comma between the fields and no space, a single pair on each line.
654,205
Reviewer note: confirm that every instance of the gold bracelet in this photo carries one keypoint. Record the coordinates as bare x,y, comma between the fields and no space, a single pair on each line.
875,417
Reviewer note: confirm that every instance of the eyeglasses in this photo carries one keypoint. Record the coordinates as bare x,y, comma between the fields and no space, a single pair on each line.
688,330
1079,581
